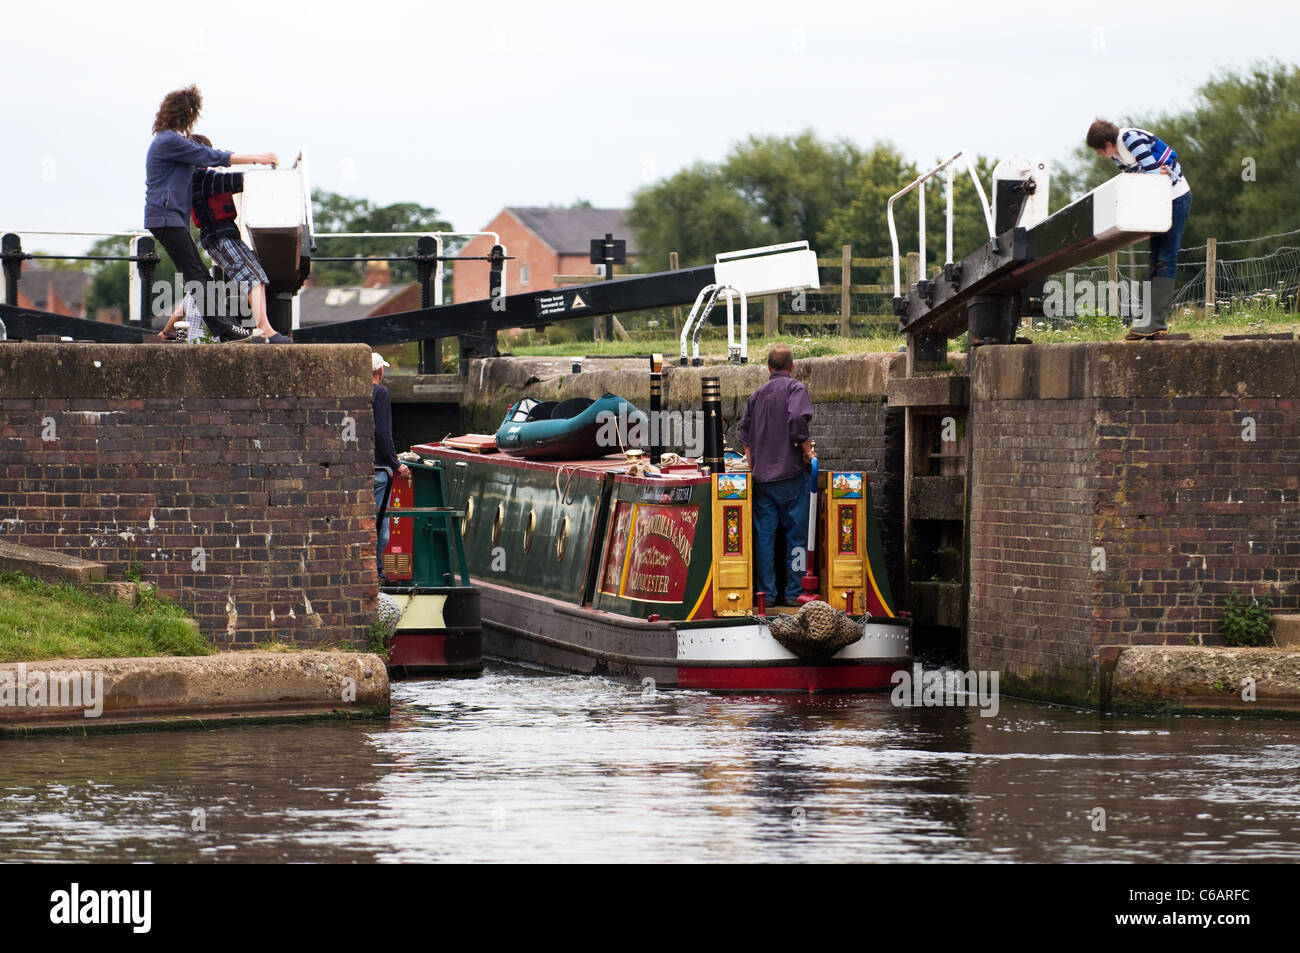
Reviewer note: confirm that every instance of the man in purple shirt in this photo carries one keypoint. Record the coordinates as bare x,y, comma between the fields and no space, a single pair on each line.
774,432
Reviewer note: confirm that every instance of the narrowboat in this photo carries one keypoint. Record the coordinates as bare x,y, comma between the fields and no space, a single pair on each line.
439,631
605,565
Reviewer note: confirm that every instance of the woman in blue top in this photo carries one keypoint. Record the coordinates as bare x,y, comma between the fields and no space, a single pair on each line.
169,168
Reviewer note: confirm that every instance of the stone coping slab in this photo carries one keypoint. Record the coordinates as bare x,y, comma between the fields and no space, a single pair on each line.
1199,678
85,695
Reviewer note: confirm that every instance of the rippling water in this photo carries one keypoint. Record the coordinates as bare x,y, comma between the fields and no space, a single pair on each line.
518,766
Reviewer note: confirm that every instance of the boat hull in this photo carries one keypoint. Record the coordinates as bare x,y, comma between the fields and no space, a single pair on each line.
721,655
439,633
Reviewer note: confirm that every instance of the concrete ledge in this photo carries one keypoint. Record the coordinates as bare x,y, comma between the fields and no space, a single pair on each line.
1137,369
495,382
1286,631
937,390
126,371
425,388
49,565
171,692
1198,678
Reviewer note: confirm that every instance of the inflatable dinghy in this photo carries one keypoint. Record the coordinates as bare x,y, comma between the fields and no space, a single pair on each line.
575,429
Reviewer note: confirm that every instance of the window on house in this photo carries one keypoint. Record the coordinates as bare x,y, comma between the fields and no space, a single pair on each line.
523,274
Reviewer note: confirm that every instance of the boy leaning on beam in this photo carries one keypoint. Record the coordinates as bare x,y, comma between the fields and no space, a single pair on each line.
1136,150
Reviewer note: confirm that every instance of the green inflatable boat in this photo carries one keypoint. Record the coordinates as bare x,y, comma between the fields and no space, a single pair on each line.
575,429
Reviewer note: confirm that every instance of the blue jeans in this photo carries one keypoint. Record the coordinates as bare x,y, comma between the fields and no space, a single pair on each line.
1164,247
784,504
381,487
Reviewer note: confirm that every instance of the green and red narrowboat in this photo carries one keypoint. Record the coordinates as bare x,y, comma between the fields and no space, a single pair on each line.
439,631
592,566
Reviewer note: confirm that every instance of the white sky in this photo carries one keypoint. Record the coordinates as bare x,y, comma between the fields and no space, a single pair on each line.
469,107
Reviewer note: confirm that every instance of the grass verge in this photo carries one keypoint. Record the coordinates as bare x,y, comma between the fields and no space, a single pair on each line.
713,342
39,621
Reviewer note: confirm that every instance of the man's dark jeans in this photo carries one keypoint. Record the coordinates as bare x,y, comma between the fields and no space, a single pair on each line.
1164,247
784,504
179,244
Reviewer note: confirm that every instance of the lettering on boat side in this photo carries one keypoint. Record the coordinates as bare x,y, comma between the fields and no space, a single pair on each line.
659,494
940,688
649,556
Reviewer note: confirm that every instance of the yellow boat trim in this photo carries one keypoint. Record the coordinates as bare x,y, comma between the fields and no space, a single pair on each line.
871,577
708,587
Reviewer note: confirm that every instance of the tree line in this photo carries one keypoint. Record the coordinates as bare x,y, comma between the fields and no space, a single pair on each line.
1239,145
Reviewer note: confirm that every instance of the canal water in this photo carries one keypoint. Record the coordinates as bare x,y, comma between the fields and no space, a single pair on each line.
522,766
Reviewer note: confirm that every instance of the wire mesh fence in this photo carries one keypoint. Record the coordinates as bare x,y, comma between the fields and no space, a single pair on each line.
1249,274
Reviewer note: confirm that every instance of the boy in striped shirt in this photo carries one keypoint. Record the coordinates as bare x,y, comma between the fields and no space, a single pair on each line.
1136,150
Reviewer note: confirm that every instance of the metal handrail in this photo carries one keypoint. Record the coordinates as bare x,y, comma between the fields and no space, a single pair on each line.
732,352
889,210
437,237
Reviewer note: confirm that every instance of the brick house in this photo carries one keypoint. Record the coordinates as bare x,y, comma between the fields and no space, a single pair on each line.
375,296
544,242
56,290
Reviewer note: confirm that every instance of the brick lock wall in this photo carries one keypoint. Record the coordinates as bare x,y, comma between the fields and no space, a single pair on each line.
1031,608
159,451
1135,455
868,436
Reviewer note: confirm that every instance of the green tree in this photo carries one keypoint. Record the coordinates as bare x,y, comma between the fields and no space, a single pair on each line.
768,189
797,182
110,281
862,220
1239,145
332,212
696,213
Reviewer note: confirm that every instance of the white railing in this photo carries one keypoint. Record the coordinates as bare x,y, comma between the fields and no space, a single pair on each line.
920,180
696,319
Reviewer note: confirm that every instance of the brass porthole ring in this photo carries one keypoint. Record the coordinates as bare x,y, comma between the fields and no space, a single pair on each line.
467,519
497,522
562,540
529,527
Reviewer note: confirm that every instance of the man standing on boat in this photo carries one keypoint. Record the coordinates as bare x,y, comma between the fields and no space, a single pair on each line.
775,433
386,462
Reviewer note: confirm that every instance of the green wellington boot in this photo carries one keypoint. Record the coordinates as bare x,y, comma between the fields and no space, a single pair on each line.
1154,322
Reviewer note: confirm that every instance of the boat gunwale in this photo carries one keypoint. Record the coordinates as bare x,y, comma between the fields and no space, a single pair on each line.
653,662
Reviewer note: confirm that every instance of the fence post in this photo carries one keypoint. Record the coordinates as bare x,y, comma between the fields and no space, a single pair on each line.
1112,284
913,269
1211,265
677,312
147,259
426,260
846,283
771,323
11,247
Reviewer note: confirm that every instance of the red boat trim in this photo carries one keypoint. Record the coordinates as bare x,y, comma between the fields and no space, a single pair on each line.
794,678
